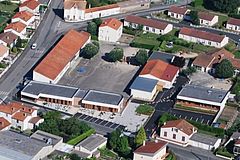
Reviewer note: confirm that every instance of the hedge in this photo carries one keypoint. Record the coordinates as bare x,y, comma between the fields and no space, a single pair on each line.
81,137
140,45
128,30
145,109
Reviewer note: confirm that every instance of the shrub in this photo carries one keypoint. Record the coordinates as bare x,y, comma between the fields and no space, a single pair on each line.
115,55
89,51
224,69
14,49
81,137
129,30
145,109
141,57
140,45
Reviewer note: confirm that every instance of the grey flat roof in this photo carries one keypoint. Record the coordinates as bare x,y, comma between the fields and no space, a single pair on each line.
36,88
144,84
203,138
103,97
161,56
203,93
80,93
44,136
81,154
13,144
92,142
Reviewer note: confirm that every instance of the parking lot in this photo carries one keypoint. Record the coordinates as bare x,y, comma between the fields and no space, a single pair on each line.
204,79
99,74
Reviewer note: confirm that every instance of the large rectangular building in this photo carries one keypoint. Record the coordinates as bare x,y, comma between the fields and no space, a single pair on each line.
60,58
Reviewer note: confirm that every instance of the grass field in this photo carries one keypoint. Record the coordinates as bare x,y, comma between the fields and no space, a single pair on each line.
8,7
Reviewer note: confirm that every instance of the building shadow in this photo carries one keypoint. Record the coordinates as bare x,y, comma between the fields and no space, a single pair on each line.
59,12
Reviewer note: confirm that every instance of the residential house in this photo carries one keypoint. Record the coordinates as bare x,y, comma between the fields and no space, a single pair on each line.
110,30
8,39
156,150
17,28
149,25
31,6
14,145
4,52
20,116
207,19
177,12
208,62
233,24
76,10
90,145
181,132
236,147
25,17
204,98
4,124
203,37
60,58
133,5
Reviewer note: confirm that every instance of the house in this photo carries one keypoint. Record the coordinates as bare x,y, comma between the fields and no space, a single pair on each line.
103,101
177,12
90,145
4,124
8,39
110,30
25,17
233,24
60,58
14,145
236,148
149,25
17,28
133,5
156,150
40,93
31,6
4,52
76,10
165,73
204,98
207,19
20,116
203,37
208,62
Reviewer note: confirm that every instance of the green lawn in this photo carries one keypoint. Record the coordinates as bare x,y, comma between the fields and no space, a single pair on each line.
237,54
8,7
107,154
223,151
179,106
145,109
231,46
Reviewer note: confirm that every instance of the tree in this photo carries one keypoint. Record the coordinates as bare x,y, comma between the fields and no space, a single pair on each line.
140,137
142,56
115,55
122,145
225,6
19,43
89,51
92,28
113,139
14,49
97,21
197,3
224,69
194,17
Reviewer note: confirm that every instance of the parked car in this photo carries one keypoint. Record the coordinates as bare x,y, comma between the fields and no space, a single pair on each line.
34,46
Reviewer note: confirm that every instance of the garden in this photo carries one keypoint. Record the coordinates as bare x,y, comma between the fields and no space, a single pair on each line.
145,109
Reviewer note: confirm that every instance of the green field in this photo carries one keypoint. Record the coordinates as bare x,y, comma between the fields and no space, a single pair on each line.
8,7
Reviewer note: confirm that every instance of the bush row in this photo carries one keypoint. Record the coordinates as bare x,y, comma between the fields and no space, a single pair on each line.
81,137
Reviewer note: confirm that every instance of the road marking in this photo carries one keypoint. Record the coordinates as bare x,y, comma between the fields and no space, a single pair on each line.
196,119
180,116
207,122
185,117
4,93
191,118
202,120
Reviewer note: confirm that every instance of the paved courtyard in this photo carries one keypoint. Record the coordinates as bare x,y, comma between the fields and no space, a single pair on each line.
99,74
204,79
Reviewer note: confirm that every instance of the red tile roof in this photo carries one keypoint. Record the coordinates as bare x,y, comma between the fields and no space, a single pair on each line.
178,10
160,69
62,54
35,120
201,34
24,15
13,107
3,50
3,123
95,9
21,116
234,21
112,23
146,22
151,147
17,26
181,125
8,37
206,16
203,60
32,4
237,142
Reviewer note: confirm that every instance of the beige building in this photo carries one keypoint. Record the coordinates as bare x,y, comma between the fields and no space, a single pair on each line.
110,30
177,12
207,19
4,52
233,24
203,37
149,25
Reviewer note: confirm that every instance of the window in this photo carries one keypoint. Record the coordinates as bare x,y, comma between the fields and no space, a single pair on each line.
153,29
174,136
165,134
176,130
209,43
183,138
17,121
147,28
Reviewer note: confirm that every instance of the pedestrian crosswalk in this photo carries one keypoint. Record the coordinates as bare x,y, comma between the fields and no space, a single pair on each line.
2,93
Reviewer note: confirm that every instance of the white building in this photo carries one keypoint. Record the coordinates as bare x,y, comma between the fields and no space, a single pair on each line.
76,10
17,28
61,57
207,19
30,6
233,24
156,150
25,17
20,116
4,52
203,37
149,25
110,30
177,12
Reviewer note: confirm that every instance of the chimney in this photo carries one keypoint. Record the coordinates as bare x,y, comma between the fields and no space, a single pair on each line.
144,143
156,141
89,5
7,37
